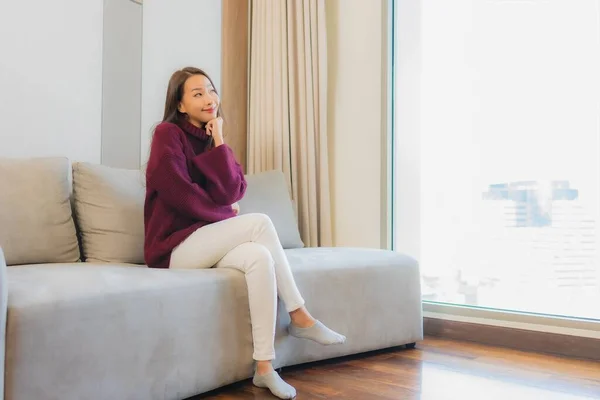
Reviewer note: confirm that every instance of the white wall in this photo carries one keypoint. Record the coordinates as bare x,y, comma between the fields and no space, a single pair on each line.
51,78
121,84
355,125
177,33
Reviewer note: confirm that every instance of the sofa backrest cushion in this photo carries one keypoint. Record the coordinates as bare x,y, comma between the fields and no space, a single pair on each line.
109,208
268,193
36,221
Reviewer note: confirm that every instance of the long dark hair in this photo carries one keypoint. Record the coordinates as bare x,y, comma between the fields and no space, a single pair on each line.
175,94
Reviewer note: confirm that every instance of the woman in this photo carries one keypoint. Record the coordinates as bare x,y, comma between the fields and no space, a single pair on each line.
193,184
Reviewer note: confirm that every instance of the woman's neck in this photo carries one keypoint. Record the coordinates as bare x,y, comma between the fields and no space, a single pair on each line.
197,124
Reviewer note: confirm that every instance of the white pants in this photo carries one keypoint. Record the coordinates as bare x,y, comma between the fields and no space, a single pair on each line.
248,243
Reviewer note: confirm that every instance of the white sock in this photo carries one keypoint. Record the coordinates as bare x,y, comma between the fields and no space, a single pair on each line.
275,384
318,333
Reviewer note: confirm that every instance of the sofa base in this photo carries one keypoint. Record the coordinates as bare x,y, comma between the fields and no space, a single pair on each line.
95,331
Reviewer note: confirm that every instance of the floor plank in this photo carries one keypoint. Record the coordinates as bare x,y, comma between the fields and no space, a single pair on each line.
436,369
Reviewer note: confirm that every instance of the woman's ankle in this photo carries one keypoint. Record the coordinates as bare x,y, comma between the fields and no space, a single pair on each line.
264,367
302,318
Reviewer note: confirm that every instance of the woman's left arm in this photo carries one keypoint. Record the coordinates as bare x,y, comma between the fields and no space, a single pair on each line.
225,181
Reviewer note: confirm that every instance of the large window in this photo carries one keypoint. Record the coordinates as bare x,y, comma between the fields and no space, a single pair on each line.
497,135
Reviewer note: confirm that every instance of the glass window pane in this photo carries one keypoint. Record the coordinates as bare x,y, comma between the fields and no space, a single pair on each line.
509,155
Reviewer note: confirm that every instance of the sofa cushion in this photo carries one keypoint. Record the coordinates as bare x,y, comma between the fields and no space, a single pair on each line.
36,223
107,331
109,205
267,193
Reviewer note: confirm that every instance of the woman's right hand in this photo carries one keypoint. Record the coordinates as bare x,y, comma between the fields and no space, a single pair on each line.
214,128
236,208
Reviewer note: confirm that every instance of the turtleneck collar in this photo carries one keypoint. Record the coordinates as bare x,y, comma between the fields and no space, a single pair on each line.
193,130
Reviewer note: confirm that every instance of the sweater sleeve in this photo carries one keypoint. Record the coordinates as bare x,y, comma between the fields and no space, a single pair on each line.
167,173
225,179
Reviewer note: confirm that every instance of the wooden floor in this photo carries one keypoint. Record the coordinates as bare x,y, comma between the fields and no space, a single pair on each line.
436,369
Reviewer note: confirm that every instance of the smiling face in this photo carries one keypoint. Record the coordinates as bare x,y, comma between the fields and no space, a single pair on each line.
199,100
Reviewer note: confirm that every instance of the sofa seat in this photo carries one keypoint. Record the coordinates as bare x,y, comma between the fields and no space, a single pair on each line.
87,331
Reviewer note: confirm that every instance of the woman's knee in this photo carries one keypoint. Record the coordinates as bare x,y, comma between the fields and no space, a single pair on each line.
258,255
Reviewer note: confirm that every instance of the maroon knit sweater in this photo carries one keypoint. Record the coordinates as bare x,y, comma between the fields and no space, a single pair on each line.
187,187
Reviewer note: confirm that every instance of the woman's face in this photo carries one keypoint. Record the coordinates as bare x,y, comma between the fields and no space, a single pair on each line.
200,101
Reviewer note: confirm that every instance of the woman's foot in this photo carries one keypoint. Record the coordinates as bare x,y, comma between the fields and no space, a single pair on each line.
304,326
266,377
302,318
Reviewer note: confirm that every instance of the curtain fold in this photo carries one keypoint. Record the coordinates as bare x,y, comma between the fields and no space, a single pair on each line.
287,120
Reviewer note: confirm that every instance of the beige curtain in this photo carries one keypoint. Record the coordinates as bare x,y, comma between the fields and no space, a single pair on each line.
287,120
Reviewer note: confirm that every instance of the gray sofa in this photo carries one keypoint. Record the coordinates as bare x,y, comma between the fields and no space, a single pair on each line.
83,318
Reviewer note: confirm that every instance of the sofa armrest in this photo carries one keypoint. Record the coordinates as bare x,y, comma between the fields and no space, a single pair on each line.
3,313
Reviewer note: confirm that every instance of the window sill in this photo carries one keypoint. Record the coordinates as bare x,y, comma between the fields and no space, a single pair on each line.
507,319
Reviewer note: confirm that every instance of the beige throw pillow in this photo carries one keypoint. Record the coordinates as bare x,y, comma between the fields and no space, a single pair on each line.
109,205
267,193
36,222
